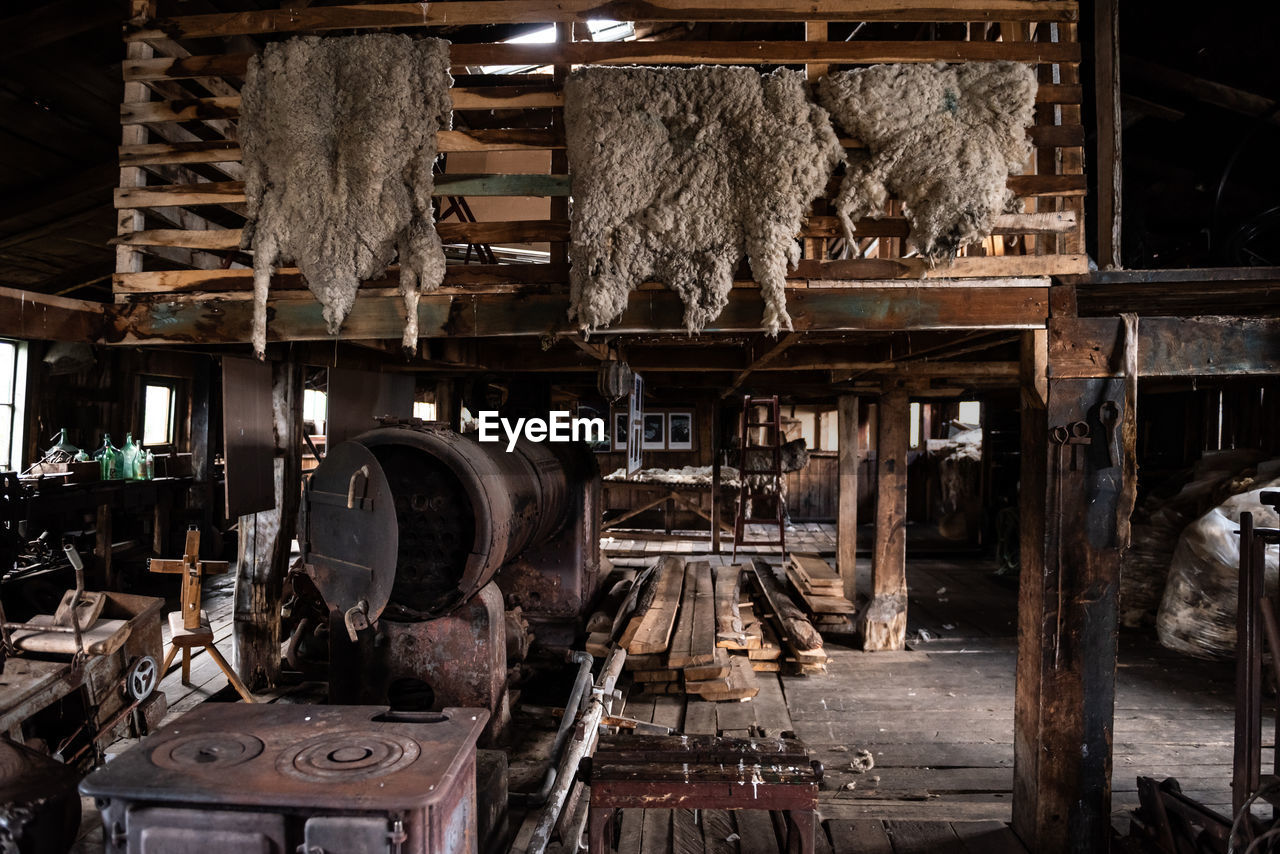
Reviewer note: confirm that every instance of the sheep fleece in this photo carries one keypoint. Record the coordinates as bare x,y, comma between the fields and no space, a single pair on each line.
339,138
941,138
677,173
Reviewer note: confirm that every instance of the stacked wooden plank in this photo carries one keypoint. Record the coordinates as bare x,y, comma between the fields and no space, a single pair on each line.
800,642
673,636
820,592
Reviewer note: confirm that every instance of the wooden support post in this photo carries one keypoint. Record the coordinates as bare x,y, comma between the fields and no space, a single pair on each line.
559,157
715,476
885,624
202,396
1106,78
1078,495
265,539
847,494
1031,515
102,547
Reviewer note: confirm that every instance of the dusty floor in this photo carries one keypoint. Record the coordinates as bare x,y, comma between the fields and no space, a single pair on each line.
938,719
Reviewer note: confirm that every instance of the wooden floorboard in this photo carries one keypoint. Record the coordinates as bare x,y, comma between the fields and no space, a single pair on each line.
937,719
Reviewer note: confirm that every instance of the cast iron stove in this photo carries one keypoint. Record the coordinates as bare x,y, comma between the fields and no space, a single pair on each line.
279,779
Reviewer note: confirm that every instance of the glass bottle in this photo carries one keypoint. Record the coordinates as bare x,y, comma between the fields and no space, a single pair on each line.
130,455
111,459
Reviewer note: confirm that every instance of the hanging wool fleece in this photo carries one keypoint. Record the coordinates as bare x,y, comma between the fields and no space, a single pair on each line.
941,138
339,139
679,173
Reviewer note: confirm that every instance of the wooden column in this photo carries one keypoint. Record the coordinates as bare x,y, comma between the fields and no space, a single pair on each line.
885,624
202,423
1076,505
1106,77
1031,516
715,476
847,493
266,537
102,547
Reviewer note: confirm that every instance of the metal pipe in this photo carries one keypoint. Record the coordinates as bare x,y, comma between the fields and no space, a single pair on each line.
581,683
583,744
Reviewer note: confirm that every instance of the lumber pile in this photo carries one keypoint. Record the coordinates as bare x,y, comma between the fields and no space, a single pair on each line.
673,634
820,593
690,628
800,642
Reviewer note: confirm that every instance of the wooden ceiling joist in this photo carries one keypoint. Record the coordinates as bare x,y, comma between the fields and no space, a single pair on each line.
42,317
1167,346
498,315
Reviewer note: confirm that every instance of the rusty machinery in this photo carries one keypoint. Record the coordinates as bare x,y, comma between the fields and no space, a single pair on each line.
419,539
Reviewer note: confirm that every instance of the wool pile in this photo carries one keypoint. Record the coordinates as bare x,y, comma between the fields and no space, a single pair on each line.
339,139
941,138
679,173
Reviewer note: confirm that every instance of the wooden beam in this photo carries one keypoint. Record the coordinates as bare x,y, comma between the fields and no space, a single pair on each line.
1106,63
1167,346
232,192
649,312
555,230
463,13
1206,91
843,369
764,359
1068,613
1028,812
968,274
595,349
847,494
41,317
264,539
885,620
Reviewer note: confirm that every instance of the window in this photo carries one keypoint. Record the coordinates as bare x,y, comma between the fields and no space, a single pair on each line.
423,410
915,425
157,413
13,372
315,410
970,412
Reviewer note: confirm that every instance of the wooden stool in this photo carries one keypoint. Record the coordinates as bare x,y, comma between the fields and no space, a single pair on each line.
703,772
189,628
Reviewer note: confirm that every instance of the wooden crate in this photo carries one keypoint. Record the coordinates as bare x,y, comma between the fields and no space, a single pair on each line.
181,196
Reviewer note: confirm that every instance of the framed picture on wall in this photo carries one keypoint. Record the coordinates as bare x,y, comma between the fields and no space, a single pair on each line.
620,431
679,431
655,431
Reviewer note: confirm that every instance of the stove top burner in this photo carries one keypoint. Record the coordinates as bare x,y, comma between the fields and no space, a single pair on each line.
300,758
345,756
212,751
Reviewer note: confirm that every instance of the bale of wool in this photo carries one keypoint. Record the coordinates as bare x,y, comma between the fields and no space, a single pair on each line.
1160,518
941,138
678,173
339,140
1197,615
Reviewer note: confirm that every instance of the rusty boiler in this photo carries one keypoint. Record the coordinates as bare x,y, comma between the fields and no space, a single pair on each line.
420,539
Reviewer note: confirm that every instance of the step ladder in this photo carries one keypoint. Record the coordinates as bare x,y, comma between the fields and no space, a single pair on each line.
760,471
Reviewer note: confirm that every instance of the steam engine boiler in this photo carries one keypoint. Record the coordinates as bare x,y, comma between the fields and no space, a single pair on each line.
421,539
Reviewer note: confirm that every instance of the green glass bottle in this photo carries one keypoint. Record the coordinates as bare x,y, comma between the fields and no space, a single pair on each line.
111,459
130,457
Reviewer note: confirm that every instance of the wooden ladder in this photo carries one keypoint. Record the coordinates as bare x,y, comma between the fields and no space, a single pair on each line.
760,473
